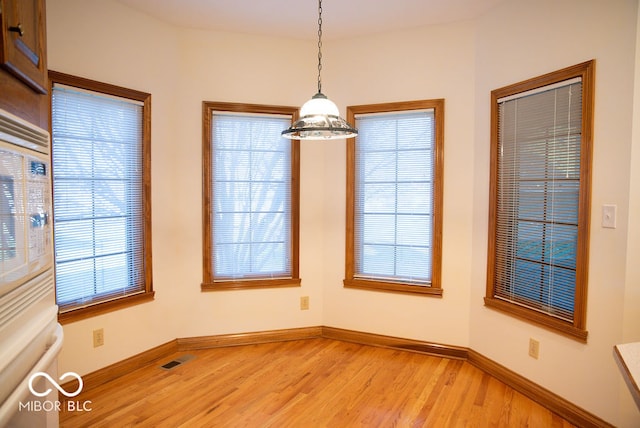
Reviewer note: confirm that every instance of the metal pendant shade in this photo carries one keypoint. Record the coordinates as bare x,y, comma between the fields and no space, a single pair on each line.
319,117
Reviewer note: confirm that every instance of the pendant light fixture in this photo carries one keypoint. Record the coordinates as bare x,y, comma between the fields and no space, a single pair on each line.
319,117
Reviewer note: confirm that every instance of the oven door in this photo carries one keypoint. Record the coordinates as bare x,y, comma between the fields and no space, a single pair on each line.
13,255
25,216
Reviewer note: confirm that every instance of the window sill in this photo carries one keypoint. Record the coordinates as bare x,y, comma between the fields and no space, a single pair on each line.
250,284
554,324
393,287
95,309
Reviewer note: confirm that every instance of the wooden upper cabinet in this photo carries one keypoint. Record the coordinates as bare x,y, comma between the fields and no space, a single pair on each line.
23,37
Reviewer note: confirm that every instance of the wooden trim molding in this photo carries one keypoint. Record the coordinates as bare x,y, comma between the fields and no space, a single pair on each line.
250,284
495,298
351,279
210,282
569,411
223,340
104,307
121,368
436,349
144,290
553,402
366,284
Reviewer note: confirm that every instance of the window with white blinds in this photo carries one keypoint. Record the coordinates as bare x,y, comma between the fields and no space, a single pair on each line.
98,196
394,188
536,226
252,229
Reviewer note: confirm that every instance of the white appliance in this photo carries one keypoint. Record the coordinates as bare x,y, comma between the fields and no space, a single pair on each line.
30,336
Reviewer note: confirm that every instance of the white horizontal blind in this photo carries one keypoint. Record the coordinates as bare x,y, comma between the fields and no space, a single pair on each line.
539,140
97,196
394,196
251,182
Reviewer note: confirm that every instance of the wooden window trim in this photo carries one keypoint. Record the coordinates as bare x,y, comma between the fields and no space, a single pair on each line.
148,294
577,328
208,283
435,289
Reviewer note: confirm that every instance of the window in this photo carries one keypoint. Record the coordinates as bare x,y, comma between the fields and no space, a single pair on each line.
394,197
540,199
251,194
101,195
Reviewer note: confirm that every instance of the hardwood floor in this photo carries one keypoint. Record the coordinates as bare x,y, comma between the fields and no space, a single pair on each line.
308,383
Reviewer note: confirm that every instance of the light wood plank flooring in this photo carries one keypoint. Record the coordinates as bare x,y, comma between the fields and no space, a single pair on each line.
308,383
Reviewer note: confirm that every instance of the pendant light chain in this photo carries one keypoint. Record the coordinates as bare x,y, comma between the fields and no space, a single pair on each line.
319,117
319,45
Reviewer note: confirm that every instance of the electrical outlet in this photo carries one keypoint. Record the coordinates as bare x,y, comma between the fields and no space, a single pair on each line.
304,303
98,337
534,348
609,216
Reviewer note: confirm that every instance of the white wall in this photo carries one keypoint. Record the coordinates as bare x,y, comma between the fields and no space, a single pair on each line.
181,69
523,39
427,63
106,42
631,327
461,62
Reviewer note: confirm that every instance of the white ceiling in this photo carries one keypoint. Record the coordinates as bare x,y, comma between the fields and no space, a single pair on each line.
299,18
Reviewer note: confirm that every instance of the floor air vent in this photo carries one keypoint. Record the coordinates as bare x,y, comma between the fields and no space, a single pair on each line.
176,362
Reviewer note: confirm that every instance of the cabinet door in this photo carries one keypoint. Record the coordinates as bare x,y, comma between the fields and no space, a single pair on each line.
23,41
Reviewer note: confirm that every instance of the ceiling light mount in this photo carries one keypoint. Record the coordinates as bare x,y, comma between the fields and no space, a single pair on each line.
319,117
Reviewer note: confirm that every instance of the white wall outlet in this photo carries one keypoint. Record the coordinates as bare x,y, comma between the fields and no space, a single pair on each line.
304,303
98,337
534,348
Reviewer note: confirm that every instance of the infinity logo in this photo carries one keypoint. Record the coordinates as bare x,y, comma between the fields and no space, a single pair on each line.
56,384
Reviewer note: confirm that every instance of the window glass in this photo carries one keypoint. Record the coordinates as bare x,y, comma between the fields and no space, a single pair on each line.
99,199
250,200
540,196
394,178
396,181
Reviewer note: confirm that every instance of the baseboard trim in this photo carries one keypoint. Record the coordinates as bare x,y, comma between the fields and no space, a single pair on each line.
551,401
535,392
436,349
223,340
123,367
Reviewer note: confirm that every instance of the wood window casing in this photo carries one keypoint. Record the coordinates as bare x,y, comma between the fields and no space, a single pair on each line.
145,292
434,288
210,282
575,328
